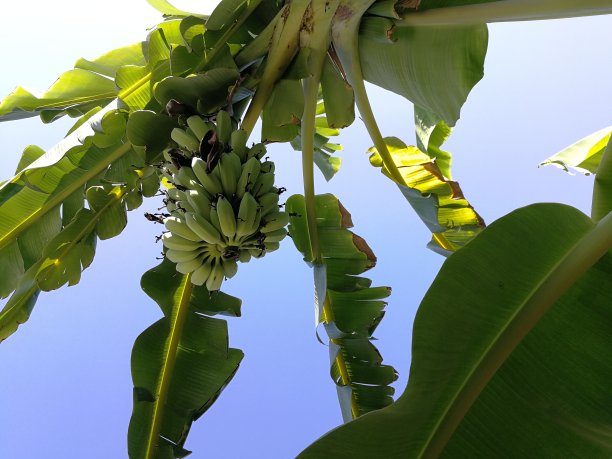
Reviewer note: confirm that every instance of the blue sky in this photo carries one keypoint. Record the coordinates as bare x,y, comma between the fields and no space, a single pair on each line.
65,386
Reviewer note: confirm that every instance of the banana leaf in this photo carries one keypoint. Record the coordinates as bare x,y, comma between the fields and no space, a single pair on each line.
439,202
583,156
346,304
510,352
180,364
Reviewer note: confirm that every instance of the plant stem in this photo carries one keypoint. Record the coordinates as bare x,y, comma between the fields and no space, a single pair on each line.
210,56
591,247
284,46
505,11
176,330
602,188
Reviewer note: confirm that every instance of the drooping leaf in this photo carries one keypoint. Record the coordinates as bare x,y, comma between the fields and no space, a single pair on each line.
433,67
438,202
337,96
180,364
110,62
346,304
510,353
583,156
75,91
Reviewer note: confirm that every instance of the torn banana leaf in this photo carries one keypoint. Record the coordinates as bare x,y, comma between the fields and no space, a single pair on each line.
583,156
433,67
437,201
180,364
346,304
510,350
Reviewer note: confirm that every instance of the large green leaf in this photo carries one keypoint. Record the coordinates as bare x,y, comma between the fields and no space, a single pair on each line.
439,202
583,156
433,67
511,348
346,304
180,364
602,190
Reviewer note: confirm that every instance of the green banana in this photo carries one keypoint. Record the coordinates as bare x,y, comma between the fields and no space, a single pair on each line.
264,183
230,267
230,169
276,236
199,202
274,221
198,126
175,242
247,213
176,195
179,227
185,140
248,176
238,142
200,275
186,267
244,256
227,218
203,228
257,151
215,279
268,203
272,246
267,166
224,126
214,219
210,182
180,256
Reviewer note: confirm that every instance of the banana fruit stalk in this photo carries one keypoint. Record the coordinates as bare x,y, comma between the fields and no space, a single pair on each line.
223,208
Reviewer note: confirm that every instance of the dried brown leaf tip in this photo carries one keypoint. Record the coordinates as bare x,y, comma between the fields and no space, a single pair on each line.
346,221
363,247
414,4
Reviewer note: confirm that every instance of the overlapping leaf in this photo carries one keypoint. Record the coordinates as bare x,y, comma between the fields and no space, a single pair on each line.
438,202
346,304
433,67
583,156
498,342
180,364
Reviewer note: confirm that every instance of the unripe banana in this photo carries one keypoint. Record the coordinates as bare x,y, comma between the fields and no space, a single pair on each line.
247,213
185,140
175,242
257,253
267,166
248,176
224,126
229,171
210,182
171,206
264,184
268,203
227,218
198,126
276,236
199,201
203,228
238,143
272,246
179,226
275,221
244,256
181,256
200,275
215,279
175,194
258,151
230,267
214,219
186,267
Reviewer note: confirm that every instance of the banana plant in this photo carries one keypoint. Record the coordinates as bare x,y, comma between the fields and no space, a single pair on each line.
172,117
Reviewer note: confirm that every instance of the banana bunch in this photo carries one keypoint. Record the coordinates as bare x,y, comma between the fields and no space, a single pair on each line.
223,205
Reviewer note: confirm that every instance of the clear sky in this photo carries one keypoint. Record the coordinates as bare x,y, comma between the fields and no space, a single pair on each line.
65,386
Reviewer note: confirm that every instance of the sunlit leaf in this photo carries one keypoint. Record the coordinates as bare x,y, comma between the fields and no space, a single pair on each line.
439,202
583,156
500,342
180,364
